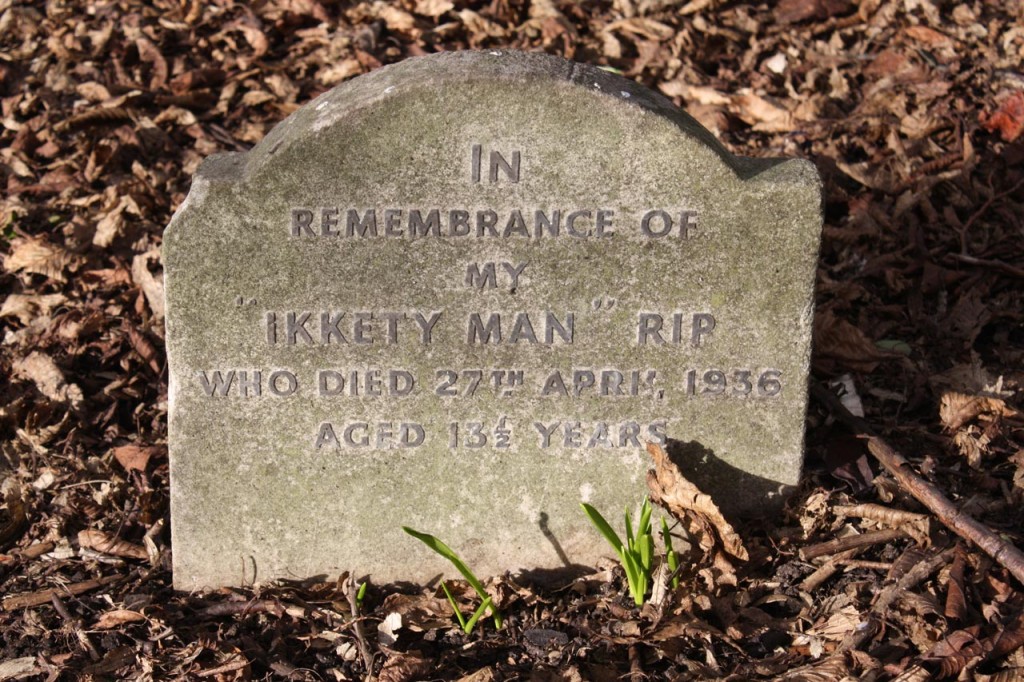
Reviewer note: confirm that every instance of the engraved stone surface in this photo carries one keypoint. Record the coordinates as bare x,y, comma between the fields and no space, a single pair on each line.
459,293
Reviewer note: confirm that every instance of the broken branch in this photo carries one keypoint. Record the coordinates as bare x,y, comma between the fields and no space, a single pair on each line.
850,542
1004,553
21,601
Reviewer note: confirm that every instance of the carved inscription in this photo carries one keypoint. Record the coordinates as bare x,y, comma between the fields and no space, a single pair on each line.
556,388
488,275
496,163
518,223
326,327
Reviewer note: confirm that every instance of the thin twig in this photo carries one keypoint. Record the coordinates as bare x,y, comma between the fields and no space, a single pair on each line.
357,625
234,608
860,563
827,570
231,666
35,551
636,671
850,542
1005,268
29,599
1004,553
912,578
880,513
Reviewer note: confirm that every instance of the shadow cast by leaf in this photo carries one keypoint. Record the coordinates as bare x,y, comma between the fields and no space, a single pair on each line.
733,489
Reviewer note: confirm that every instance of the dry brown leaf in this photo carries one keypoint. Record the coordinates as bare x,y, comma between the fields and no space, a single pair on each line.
111,225
642,27
793,11
928,36
956,409
543,9
889,63
20,668
145,349
150,54
838,625
425,610
837,340
691,7
404,668
14,521
869,174
176,115
254,98
332,74
1009,639
117,618
135,457
152,285
480,27
762,114
970,377
968,316
973,445
41,370
107,544
723,568
253,35
27,307
711,117
955,651
482,675
685,501
922,604
282,87
830,669
39,257
396,19
610,45
683,627
196,79
1018,476
93,91
433,8
694,93
956,600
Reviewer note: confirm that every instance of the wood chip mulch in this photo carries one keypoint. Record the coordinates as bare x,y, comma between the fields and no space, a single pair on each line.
897,559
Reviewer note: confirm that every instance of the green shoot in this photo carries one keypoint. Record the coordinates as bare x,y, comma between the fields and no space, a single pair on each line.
455,607
671,558
467,626
449,554
486,604
636,554
361,594
606,530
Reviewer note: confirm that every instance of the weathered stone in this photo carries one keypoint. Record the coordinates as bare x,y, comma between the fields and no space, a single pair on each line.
458,294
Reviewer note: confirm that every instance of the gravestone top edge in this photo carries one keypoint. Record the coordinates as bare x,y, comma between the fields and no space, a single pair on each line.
462,67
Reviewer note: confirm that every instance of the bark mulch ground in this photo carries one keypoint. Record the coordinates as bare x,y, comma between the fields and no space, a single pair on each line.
896,559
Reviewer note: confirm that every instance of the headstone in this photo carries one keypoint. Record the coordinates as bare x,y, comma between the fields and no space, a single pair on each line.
460,293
